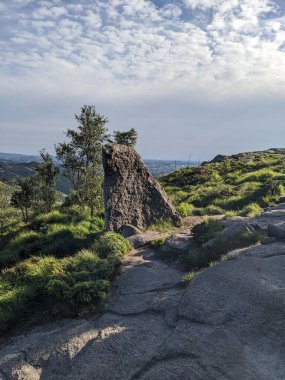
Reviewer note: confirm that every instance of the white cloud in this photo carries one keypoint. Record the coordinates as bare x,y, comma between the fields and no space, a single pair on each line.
119,50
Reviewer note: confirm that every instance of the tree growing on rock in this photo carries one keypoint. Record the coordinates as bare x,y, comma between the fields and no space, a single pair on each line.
128,138
82,156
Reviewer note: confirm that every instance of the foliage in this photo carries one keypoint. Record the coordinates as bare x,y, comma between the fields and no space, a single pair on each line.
128,138
206,230
190,276
47,173
61,232
25,195
111,244
79,281
81,157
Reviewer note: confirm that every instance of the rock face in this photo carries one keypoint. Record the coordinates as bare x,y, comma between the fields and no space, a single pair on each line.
277,230
227,324
132,196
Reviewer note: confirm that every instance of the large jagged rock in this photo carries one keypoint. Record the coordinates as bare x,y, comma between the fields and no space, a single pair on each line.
132,196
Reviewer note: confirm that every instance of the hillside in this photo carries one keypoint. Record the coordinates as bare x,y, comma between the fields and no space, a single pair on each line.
11,170
243,184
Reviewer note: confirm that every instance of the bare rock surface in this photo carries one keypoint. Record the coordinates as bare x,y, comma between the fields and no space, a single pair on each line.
145,238
178,243
272,215
228,323
132,196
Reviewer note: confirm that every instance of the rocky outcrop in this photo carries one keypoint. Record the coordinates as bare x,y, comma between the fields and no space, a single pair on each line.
132,196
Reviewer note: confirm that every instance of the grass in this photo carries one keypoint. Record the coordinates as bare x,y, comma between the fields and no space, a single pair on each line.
190,276
162,226
78,282
234,187
59,258
203,256
206,230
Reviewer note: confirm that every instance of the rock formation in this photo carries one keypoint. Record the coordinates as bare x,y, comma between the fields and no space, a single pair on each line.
132,196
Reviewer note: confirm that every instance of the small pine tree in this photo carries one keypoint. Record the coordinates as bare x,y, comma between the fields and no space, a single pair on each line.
128,138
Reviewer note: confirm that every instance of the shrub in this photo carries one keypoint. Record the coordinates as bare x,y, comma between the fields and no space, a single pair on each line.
185,209
79,282
251,210
206,230
111,244
214,210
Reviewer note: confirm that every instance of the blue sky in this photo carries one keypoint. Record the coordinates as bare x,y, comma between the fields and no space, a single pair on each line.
197,77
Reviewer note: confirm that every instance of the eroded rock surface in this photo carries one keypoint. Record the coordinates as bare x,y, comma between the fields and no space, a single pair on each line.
228,323
132,196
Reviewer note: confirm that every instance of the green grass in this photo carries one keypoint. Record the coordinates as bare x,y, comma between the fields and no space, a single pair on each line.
206,230
203,256
190,276
234,187
78,282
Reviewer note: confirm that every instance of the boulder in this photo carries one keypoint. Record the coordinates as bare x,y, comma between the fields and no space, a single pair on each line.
276,230
177,243
131,194
230,233
128,230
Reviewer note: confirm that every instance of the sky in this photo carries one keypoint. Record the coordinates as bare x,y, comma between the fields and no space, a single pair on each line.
194,77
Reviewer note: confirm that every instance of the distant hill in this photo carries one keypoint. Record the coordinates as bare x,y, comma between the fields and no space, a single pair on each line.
12,170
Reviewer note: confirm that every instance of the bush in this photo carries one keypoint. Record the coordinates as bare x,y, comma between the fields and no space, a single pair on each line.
206,230
78,282
111,244
185,209
251,210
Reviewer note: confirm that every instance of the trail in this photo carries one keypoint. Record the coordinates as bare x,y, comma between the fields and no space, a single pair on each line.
228,323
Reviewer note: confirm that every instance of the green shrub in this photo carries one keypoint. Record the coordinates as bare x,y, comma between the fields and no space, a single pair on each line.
111,244
79,282
185,209
251,210
214,210
13,304
206,230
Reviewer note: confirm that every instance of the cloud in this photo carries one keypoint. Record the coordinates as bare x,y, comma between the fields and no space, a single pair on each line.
58,55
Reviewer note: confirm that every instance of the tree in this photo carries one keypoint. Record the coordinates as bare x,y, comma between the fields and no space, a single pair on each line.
128,138
5,196
47,173
24,197
82,155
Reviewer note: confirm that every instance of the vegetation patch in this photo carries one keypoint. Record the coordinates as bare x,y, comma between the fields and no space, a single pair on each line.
233,187
78,282
203,256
